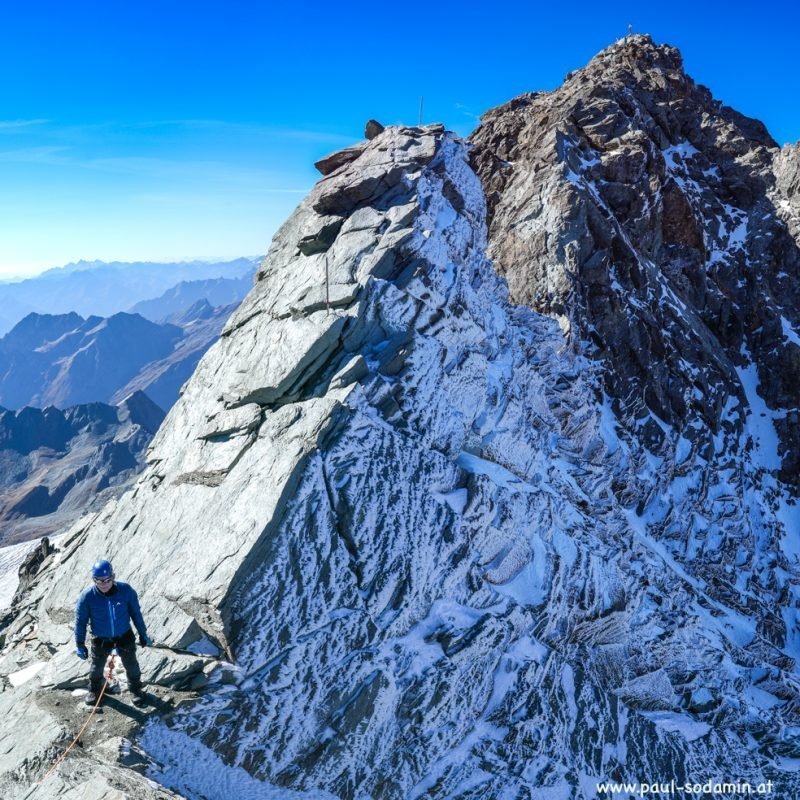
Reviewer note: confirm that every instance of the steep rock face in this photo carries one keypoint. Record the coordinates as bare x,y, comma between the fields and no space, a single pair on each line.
56,465
787,187
645,214
441,561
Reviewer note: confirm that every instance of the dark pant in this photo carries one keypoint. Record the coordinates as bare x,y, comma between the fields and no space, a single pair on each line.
126,647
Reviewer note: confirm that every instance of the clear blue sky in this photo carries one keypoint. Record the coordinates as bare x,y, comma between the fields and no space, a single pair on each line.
133,129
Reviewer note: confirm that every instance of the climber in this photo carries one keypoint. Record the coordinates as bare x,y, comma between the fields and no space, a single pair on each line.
110,606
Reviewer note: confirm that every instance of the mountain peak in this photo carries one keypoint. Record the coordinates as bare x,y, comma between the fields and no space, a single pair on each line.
35,329
138,409
667,230
634,85
637,52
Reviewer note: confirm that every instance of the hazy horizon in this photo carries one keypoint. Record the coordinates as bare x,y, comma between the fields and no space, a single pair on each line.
36,272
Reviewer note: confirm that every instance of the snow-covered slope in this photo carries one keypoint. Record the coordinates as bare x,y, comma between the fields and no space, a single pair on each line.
10,559
439,557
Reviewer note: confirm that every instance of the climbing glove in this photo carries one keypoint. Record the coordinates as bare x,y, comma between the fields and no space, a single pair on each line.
145,640
81,652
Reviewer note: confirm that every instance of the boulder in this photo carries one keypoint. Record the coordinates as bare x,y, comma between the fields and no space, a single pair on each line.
372,129
338,159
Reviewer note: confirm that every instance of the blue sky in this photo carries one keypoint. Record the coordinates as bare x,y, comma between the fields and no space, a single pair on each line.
169,130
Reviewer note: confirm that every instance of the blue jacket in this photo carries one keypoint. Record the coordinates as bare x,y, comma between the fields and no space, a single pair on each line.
110,613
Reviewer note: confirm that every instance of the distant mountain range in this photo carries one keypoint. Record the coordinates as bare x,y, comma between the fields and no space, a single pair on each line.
63,360
97,287
186,294
56,465
163,378
115,376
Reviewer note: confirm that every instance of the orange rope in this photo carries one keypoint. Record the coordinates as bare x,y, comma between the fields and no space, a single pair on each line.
85,724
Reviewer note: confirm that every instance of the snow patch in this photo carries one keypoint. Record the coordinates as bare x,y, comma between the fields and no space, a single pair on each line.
24,675
789,332
497,474
672,722
759,420
175,757
457,499
204,647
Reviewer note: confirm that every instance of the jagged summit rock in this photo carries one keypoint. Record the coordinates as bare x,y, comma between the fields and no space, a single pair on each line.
648,217
446,553
338,159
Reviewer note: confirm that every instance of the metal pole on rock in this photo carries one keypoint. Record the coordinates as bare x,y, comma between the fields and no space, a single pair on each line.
327,287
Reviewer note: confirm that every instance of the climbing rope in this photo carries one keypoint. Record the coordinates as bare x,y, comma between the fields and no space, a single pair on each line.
108,673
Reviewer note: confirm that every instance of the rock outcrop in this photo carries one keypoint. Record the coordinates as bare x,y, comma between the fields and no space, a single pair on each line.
651,219
435,546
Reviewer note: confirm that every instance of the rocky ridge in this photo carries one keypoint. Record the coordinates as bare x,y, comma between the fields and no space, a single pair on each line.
652,220
451,551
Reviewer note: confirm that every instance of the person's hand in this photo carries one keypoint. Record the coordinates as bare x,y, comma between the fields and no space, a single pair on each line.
145,640
81,652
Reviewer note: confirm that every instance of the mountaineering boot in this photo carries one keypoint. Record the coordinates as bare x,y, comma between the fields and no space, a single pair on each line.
139,698
90,699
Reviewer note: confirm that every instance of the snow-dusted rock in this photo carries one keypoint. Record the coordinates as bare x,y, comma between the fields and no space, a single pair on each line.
645,215
442,560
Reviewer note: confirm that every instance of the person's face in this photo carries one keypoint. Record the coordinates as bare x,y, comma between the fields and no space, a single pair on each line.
104,584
